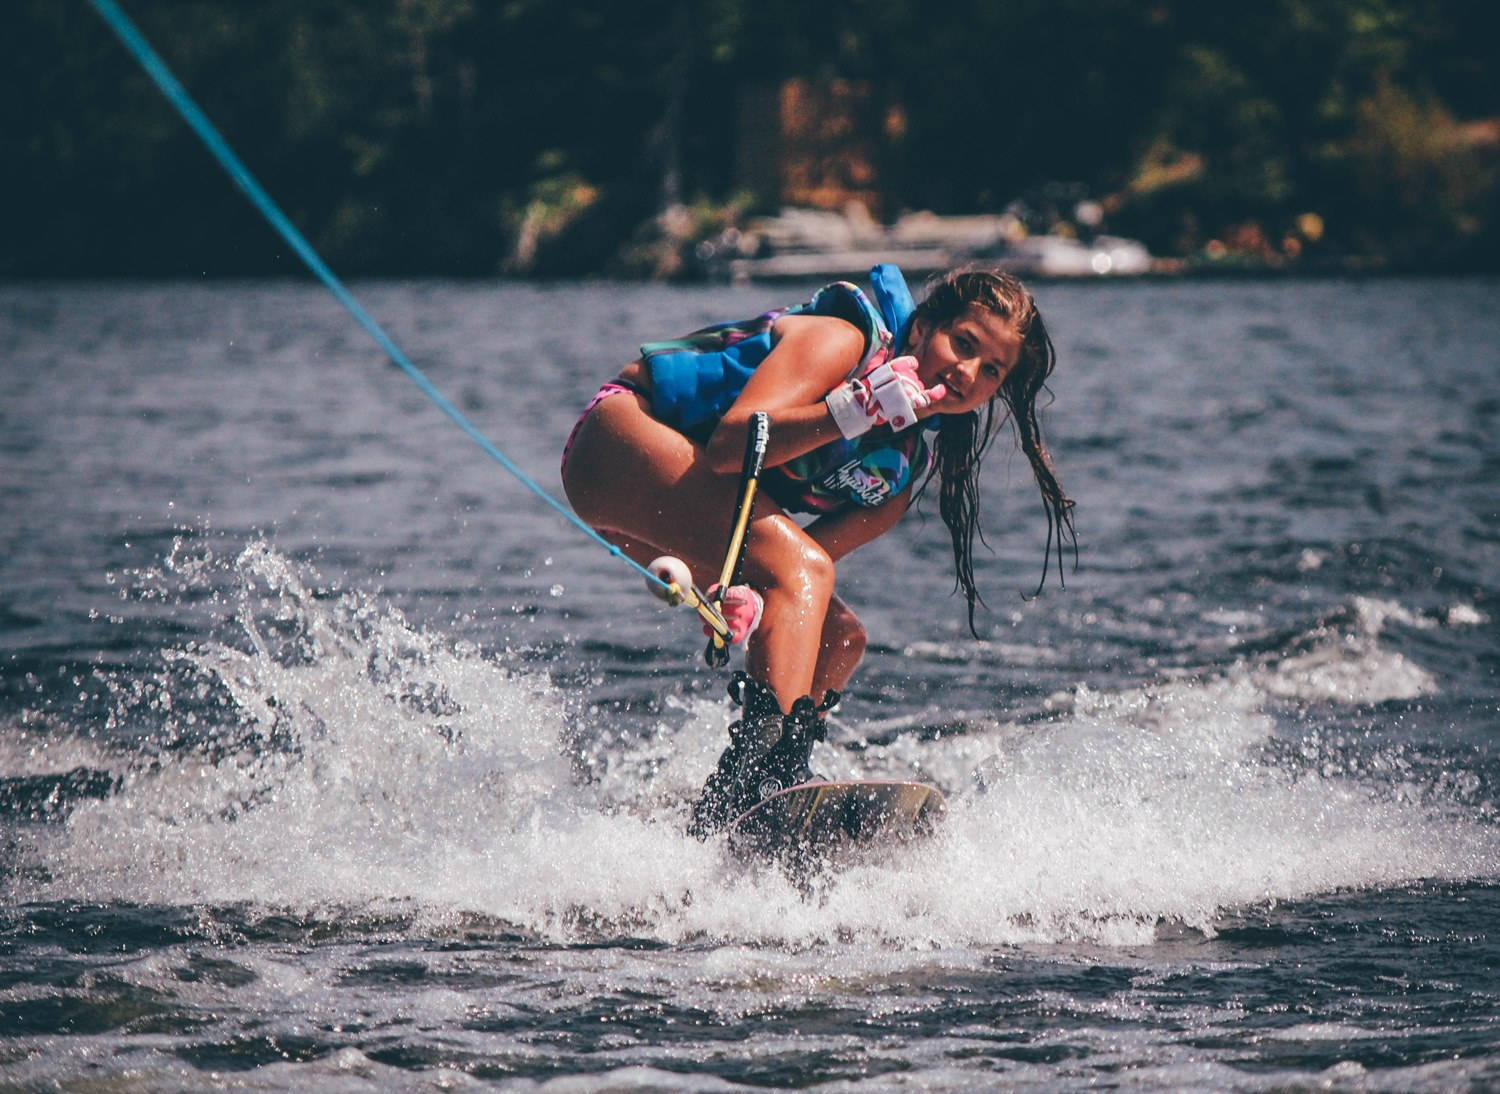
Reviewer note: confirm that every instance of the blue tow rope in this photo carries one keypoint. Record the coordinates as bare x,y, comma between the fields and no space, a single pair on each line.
177,95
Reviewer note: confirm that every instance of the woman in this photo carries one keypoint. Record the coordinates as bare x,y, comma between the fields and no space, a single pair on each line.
869,400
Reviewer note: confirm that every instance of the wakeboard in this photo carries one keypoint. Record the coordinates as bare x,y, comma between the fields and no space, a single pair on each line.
824,822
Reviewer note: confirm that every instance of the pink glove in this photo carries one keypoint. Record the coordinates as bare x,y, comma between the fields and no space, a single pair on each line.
741,608
889,394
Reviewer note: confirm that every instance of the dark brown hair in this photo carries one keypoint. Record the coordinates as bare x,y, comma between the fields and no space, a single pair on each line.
963,438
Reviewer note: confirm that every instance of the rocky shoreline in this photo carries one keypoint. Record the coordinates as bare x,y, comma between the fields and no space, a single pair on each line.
811,244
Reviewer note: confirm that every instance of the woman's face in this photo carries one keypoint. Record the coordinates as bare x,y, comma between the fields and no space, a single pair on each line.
970,356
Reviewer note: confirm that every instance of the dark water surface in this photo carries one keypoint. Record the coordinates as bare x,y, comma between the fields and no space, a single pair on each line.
330,757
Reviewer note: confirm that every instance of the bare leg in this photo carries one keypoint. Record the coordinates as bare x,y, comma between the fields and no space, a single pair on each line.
842,649
630,473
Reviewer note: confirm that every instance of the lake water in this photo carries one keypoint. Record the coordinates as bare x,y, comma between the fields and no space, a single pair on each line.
330,757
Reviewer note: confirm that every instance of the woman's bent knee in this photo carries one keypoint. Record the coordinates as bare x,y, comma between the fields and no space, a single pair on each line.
783,560
818,570
844,632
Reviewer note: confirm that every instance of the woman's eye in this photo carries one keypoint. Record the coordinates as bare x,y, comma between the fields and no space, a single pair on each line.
962,343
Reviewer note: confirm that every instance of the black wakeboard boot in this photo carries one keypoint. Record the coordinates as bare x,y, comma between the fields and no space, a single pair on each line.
767,753
786,762
734,785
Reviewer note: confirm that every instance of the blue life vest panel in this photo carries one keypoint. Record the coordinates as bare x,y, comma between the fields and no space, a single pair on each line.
696,378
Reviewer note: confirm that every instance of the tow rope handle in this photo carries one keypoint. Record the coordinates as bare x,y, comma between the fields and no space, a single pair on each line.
671,580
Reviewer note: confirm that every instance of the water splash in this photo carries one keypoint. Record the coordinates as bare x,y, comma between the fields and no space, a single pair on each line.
350,762
1346,663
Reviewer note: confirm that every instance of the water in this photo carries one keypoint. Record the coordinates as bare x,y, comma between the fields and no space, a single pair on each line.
330,757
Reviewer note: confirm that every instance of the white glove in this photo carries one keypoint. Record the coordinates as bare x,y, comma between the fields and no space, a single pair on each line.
889,394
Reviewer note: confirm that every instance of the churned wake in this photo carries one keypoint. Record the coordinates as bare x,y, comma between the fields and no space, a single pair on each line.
327,756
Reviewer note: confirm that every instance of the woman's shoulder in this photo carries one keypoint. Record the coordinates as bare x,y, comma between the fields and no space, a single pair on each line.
826,327
823,342
849,316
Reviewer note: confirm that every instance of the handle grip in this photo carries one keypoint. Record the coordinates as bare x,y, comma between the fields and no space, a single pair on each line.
757,440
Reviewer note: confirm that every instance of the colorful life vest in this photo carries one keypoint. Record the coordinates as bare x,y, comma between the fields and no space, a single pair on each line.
696,378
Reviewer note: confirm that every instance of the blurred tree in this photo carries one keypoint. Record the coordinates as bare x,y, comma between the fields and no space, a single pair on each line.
453,136
1419,184
1279,106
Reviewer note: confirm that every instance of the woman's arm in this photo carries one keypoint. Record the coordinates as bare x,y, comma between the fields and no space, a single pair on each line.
812,355
840,533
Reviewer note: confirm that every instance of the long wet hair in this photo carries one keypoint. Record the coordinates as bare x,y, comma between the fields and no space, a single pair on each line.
963,438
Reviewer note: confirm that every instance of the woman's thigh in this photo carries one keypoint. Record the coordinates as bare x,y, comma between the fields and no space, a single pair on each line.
648,484
652,490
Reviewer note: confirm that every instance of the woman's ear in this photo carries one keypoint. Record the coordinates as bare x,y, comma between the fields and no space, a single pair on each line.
916,333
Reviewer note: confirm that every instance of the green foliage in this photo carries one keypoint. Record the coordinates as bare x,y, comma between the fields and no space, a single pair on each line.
1414,176
473,137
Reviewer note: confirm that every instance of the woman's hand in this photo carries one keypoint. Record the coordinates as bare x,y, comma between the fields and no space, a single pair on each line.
741,607
889,394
